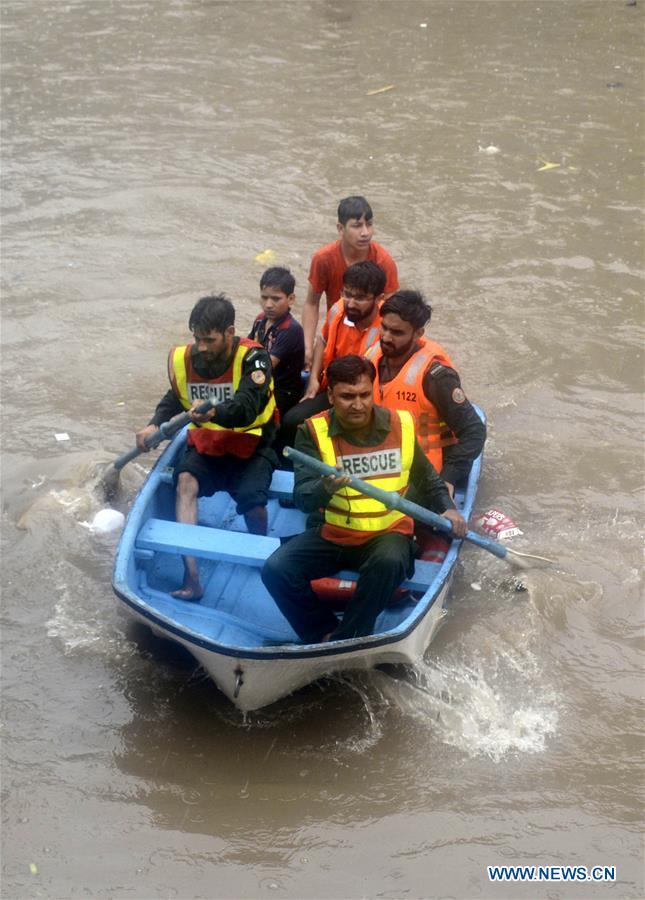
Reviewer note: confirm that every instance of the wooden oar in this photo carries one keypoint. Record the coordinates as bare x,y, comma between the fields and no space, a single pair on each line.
110,477
394,501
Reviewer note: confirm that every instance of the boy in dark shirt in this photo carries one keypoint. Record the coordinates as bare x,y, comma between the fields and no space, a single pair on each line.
281,335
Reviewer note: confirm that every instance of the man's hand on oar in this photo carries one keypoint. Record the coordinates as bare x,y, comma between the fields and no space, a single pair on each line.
334,483
459,524
151,436
197,413
140,437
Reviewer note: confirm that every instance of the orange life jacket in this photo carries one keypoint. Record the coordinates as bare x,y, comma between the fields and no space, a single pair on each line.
210,438
344,338
352,517
405,391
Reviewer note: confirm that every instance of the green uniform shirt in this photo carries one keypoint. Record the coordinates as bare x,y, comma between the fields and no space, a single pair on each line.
309,492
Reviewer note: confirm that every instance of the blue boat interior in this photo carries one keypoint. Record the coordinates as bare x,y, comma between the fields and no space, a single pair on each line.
236,610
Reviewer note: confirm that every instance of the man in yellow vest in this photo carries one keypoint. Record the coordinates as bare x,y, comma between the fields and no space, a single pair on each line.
415,373
229,448
348,530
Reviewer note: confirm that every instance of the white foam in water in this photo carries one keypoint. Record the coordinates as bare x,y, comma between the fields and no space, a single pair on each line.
374,732
72,502
73,630
491,707
84,627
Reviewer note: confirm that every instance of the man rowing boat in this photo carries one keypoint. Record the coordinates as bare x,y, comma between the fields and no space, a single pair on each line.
228,448
354,531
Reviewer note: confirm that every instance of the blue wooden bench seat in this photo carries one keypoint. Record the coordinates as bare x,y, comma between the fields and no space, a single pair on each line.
281,486
162,536
206,543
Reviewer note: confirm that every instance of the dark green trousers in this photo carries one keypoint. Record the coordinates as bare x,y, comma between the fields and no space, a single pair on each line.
382,564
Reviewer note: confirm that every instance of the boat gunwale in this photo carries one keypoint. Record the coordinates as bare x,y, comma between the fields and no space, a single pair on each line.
277,651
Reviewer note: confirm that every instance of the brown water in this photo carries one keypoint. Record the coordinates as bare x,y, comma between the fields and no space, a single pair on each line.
151,150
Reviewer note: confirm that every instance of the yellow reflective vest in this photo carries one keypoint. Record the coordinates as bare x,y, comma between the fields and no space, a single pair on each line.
352,517
210,438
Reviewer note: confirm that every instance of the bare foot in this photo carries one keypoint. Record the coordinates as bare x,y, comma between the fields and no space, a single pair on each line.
190,593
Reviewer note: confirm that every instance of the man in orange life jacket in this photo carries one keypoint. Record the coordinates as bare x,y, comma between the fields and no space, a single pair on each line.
348,530
351,327
415,373
228,449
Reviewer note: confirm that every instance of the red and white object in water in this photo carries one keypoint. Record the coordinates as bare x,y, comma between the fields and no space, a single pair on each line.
496,525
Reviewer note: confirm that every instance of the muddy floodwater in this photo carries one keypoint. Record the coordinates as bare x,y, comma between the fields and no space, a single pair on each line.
152,150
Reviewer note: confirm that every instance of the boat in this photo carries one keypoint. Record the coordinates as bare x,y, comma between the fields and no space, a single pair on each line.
236,632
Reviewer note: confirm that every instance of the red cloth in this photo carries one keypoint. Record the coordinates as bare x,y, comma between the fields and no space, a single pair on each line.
328,267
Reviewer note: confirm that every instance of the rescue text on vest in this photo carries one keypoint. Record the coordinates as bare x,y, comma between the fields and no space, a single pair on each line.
382,462
203,391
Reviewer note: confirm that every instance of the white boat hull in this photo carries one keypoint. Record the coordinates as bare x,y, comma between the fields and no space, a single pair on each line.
252,682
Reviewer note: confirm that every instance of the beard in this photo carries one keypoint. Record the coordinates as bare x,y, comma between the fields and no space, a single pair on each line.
389,351
355,315
206,362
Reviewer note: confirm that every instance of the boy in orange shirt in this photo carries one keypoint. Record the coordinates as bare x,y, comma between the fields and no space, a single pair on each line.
355,228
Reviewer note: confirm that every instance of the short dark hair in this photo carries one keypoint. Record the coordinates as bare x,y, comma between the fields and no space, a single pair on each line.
354,208
411,306
348,369
212,313
280,278
365,276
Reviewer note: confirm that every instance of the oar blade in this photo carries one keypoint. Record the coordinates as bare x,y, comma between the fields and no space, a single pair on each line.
526,561
110,480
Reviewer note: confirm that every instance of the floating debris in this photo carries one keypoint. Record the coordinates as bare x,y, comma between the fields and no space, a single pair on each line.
497,525
106,521
546,165
388,87
62,436
491,150
266,257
